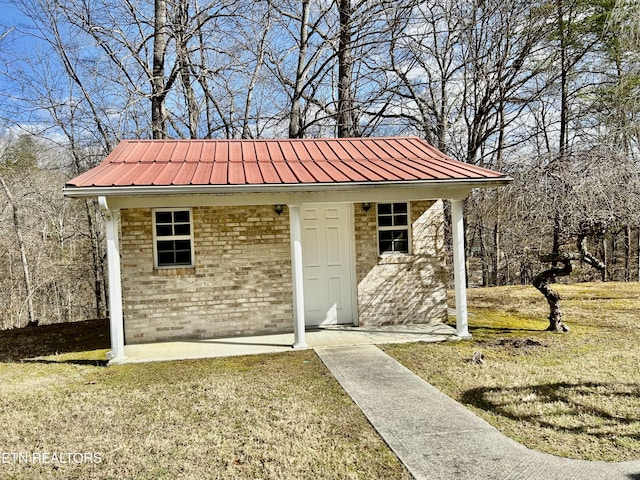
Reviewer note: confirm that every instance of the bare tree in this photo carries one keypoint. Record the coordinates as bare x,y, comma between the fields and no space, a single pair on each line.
597,193
45,261
16,159
299,58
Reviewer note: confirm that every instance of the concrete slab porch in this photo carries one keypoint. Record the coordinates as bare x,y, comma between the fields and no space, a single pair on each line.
332,336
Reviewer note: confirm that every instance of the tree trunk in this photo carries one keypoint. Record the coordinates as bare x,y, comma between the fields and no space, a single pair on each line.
184,62
496,253
295,117
99,279
158,115
23,252
627,253
555,249
605,258
483,257
564,79
542,280
246,130
345,72
587,257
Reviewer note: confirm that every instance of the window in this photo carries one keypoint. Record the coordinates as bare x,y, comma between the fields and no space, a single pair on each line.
173,238
393,228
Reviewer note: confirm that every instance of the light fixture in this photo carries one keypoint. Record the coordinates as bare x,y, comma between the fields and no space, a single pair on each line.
278,209
366,206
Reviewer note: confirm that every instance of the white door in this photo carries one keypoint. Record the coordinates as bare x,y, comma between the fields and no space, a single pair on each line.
327,263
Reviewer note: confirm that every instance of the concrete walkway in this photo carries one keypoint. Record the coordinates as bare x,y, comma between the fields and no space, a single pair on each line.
338,335
436,437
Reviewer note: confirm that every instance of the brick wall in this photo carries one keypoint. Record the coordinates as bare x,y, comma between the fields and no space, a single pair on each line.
241,282
400,288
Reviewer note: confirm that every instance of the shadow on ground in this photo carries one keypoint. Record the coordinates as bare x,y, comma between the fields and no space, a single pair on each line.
550,405
503,330
22,344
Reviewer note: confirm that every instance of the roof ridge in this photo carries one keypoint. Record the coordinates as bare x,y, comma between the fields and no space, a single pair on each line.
272,139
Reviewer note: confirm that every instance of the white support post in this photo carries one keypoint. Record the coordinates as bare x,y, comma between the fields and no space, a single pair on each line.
459,274
116,355
297,276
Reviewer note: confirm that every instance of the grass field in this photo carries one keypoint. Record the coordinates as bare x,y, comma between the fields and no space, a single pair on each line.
576,394
275,416
284,416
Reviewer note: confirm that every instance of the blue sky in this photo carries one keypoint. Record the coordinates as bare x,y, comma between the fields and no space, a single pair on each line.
15,40
9,14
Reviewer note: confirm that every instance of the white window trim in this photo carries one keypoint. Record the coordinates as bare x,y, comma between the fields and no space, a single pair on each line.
172,237
395,227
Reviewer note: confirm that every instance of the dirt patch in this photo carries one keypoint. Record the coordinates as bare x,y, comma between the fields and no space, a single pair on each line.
515,343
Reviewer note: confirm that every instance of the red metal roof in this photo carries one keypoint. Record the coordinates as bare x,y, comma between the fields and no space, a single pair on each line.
277,162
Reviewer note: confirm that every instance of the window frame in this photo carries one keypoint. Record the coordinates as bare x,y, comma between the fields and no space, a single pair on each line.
157,238
393,227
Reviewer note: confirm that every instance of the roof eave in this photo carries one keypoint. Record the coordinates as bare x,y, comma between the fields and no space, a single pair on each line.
155,190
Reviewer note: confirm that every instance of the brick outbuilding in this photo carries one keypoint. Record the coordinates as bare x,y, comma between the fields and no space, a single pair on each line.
213,238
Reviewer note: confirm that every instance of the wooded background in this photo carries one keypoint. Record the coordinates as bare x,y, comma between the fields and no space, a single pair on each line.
546,91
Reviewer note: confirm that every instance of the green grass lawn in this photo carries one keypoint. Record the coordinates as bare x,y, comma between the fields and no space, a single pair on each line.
575,394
